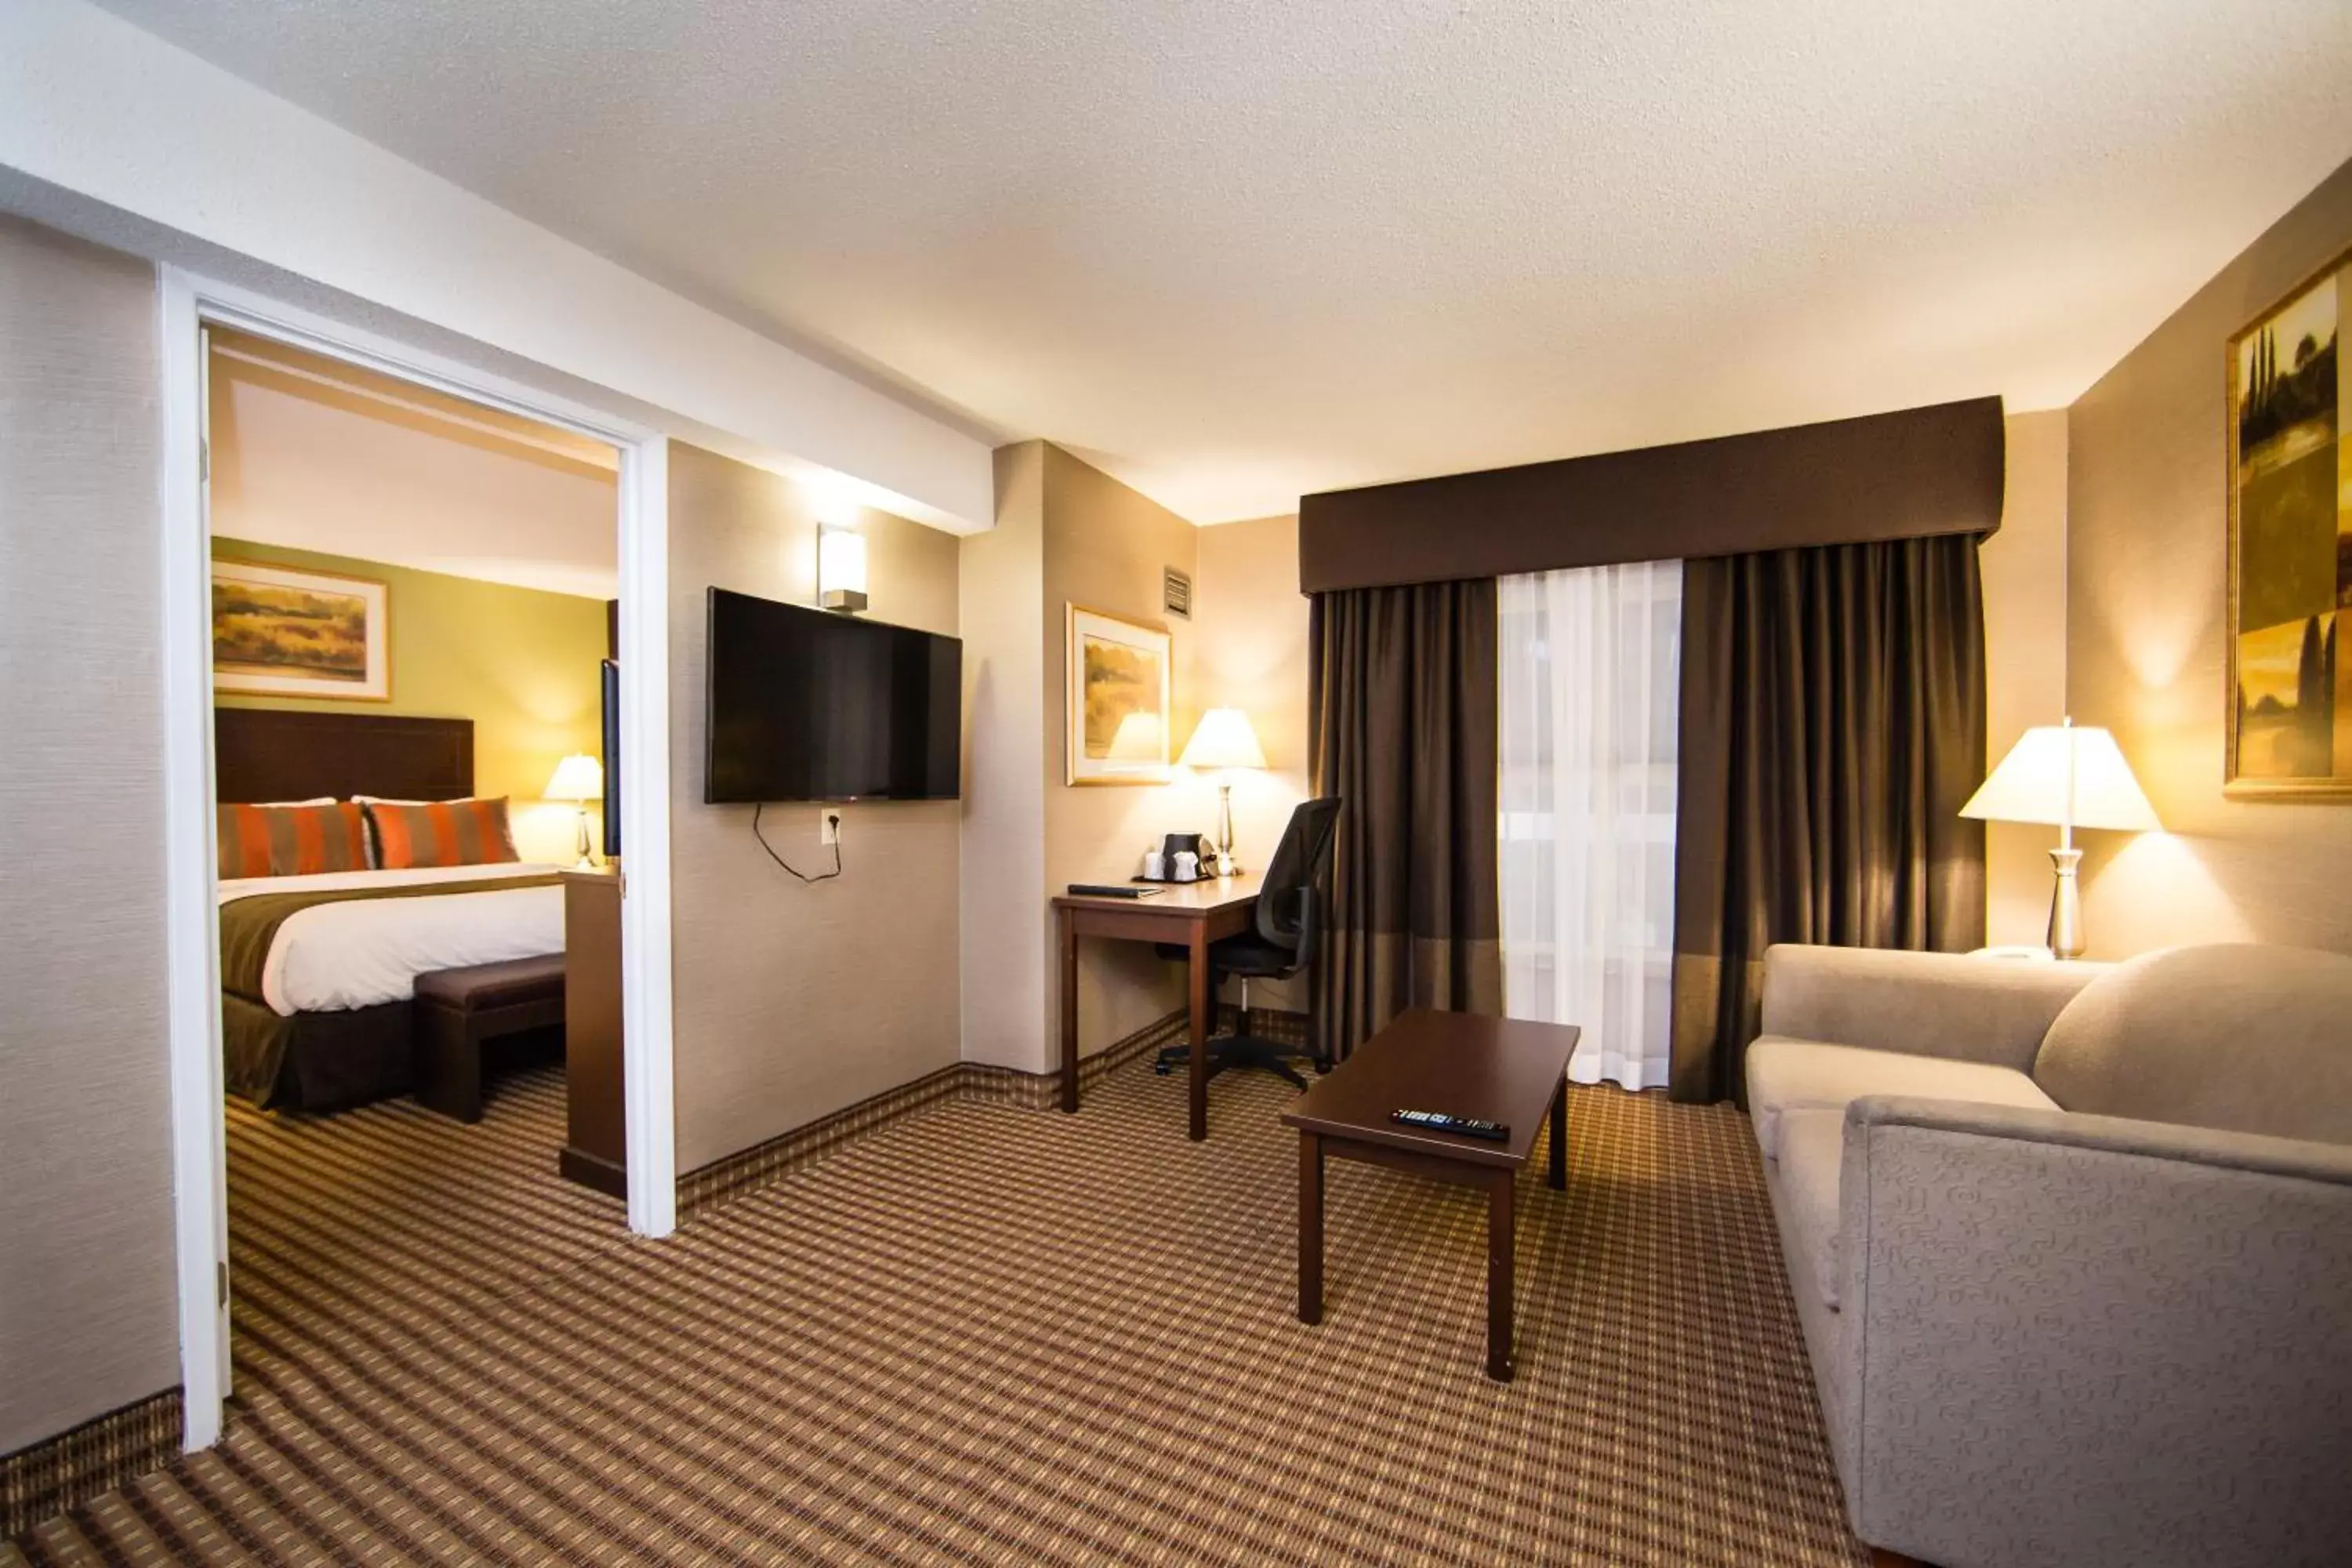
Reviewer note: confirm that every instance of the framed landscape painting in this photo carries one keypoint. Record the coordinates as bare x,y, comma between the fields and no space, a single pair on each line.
278,632
2289,713
1115,728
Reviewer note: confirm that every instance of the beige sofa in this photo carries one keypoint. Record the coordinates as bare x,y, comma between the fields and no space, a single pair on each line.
2072,1245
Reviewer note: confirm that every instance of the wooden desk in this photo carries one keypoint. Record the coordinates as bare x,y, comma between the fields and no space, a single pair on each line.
1192,915
1491,1070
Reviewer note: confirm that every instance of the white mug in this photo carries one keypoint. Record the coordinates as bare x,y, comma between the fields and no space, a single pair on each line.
1185,868
1155,866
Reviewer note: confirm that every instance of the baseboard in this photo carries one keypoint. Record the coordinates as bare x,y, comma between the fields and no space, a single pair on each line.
45,1480
751,1168
1267,1024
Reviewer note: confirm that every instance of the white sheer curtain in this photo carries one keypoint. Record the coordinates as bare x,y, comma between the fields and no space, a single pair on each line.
1589,676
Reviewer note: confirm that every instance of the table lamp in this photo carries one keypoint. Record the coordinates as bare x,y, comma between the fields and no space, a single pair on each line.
579,778
1222,741
2068,775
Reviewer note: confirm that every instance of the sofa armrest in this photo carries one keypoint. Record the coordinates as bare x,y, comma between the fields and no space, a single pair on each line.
1925,1004
2079,1339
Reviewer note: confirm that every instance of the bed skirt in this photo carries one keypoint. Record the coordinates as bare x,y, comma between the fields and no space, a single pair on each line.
316,1061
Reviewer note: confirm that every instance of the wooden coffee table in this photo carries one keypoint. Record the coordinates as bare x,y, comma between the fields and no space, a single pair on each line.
1496,1069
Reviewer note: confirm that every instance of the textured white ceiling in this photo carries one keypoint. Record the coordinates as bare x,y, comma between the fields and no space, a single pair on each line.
1234,252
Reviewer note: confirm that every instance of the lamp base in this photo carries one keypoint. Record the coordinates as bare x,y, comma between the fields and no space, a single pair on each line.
1226,864
587,862
2066,905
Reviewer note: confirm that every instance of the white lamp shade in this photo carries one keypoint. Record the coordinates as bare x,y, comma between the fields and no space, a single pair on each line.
840,561
1223,739
2069,774
577,777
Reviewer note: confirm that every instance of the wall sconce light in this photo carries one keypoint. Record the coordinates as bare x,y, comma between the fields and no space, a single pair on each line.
840,569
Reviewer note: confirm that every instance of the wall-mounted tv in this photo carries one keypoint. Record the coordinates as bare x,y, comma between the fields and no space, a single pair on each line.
610,676
811,705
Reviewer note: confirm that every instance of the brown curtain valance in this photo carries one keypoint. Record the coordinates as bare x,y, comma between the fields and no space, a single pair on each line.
1915,474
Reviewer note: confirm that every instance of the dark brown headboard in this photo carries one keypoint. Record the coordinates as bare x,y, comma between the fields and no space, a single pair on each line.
267,754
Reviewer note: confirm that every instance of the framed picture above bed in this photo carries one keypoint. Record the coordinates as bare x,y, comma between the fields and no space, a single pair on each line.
279,632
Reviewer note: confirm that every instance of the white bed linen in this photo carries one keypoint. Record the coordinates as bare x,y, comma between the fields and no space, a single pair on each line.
360,952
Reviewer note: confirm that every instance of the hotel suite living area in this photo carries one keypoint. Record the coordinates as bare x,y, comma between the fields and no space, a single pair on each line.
1042,784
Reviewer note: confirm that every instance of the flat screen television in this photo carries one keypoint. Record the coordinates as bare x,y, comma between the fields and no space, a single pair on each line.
810,705
610,688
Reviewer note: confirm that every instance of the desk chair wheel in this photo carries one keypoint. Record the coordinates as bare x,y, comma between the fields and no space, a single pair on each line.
1243,1050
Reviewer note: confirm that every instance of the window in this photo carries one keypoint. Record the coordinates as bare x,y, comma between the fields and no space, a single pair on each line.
1591,671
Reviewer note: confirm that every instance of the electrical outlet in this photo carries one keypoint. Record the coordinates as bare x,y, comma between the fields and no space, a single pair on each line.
828,825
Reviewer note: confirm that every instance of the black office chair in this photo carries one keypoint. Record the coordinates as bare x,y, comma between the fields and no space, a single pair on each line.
1289,914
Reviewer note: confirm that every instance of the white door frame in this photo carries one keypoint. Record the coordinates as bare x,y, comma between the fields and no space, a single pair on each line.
199,1158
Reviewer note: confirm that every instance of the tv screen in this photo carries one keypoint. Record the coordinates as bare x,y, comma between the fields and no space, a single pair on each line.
810,705
610,677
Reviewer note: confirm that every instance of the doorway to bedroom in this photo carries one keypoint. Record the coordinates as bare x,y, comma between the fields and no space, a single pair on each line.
414,624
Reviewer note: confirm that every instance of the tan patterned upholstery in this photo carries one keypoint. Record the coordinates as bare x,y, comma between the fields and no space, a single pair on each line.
2246,1038
2046,1336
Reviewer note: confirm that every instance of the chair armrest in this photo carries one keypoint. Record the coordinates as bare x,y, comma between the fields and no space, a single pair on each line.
1925,1003
2079,1339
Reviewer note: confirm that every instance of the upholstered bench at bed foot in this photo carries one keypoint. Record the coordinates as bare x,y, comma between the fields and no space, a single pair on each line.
459,1010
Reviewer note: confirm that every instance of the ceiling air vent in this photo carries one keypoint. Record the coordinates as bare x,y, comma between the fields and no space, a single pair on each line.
1176,591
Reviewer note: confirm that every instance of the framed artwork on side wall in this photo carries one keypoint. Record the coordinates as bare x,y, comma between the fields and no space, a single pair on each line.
2290,697
1115,729
279,632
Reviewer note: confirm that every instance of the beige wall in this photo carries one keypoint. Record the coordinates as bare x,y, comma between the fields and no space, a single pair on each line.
87,1320
1002,595
2146,618
1105,548
1066,533
793,1001
2025,568
521,664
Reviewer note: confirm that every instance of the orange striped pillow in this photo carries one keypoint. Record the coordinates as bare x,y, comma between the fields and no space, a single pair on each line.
441,832
291,840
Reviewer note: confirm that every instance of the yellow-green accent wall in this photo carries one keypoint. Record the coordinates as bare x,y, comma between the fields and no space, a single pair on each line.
520,662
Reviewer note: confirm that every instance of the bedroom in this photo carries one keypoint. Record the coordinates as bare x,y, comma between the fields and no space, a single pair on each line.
414,597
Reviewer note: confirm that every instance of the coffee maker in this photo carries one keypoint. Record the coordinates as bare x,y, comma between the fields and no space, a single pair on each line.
1160,863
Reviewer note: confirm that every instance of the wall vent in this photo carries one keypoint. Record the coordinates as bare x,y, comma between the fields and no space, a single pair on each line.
1176,591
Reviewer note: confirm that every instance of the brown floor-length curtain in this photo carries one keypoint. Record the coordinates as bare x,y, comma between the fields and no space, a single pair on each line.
1404,729
1832,725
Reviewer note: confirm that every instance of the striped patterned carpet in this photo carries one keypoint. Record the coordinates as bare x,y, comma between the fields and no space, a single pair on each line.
984,1334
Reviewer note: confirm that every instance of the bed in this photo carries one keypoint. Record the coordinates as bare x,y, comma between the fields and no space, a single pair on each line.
317,972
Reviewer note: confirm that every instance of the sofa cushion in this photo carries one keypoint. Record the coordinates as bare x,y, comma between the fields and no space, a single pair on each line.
2241,1038
1956,1005
1812,1148
1785,1075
